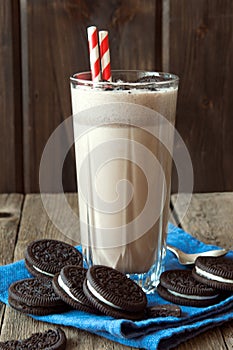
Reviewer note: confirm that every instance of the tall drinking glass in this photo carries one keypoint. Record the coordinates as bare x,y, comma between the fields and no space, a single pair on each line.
124,132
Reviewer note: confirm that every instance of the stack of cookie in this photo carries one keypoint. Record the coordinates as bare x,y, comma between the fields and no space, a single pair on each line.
101,290
61,283
43,258
210,280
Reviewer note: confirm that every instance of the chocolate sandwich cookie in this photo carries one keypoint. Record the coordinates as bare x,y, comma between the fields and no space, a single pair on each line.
68,285
114,294
180,287
163,310
35,296
216,272
46,257
49,340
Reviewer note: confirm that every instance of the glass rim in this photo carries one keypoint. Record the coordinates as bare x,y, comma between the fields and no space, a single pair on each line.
171,78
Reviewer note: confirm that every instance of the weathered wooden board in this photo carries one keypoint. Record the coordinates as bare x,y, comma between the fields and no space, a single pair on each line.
11,160
198,44
10,215
209,217
43,42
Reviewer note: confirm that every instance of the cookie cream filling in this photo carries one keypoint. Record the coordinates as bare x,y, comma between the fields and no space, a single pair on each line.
193,297
210,276
66,289
99,297
41,271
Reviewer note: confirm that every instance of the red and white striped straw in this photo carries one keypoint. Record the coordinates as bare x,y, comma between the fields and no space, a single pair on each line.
94,53
105,55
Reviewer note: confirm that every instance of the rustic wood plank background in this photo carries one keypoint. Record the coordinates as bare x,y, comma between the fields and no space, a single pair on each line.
11,156
201,53
43,42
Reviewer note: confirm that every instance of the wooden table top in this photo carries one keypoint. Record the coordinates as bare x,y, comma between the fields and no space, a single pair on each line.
23,219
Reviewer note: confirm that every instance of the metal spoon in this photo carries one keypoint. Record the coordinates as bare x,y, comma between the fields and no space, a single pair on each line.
188,259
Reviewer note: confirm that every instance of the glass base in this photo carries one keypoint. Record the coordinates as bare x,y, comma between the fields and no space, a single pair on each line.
148,281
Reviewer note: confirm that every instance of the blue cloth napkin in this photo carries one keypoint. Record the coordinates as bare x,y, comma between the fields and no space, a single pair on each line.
155,333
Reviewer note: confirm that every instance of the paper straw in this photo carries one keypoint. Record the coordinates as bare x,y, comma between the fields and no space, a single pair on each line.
105,55
94,53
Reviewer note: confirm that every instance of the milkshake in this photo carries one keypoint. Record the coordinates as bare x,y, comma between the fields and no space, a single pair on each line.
123,142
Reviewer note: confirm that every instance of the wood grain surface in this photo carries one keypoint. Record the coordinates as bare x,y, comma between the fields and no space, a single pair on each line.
209,217
11,149
10,215
23,219
200,42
